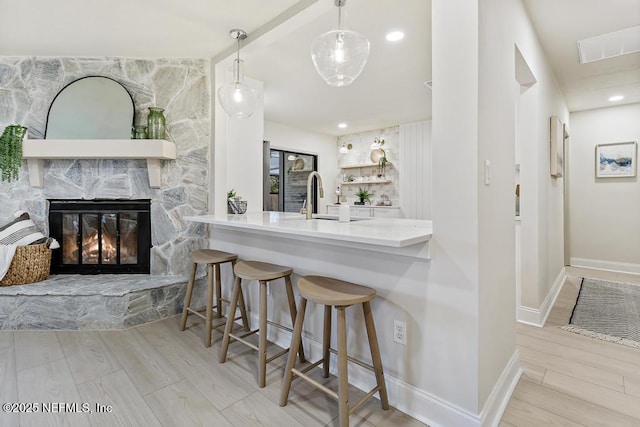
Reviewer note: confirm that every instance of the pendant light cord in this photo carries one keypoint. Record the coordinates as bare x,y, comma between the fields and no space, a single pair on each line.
237,63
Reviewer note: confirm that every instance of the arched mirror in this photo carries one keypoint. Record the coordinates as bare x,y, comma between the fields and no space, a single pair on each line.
91,108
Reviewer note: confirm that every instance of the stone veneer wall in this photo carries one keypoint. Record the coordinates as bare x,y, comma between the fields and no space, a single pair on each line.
180,86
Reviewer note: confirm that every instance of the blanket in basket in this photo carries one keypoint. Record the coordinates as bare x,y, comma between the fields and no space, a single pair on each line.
19,232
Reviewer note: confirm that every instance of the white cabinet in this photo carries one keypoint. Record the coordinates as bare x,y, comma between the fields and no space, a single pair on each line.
387,212
368,211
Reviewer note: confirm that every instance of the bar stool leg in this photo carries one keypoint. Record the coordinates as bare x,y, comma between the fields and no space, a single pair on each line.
232,309
209,309
187,297
218,292
326,341
296,340
375,353
262,347
292,310
243,308
343,375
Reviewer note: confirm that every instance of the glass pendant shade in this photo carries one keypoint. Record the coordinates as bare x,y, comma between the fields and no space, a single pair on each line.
237,99
340,56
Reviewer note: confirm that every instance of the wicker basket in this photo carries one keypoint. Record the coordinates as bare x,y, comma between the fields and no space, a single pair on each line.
30,264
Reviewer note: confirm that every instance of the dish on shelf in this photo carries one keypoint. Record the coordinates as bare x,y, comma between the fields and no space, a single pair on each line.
298,164
377,154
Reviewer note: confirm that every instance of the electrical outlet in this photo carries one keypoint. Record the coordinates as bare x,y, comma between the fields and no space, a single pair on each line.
400,332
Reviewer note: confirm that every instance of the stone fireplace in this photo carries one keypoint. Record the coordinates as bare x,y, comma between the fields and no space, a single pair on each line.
100,236
110,301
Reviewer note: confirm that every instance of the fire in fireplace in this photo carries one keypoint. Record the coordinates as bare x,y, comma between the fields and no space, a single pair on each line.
100,236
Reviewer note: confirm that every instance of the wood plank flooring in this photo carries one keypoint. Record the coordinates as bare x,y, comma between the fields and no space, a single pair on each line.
154,375
574,380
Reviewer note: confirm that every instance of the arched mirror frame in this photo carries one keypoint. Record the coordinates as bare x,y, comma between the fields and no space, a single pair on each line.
124,133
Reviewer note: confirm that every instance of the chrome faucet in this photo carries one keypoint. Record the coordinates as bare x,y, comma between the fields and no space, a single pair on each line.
309,198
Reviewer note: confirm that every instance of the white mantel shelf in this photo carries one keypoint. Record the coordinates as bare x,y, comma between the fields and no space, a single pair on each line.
36,151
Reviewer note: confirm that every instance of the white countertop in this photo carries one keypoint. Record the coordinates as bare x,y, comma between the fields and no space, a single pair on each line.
389,232
366,206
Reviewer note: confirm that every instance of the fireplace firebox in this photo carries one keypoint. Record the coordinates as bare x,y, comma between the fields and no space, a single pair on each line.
100,236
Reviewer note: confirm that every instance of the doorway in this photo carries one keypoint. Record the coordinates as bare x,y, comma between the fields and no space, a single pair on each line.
287,180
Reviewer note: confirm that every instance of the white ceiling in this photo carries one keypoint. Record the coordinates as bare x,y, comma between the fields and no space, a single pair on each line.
561,23
389,91
129,28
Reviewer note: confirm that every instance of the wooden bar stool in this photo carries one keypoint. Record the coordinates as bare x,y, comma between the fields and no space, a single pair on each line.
213,259
339,294
264,273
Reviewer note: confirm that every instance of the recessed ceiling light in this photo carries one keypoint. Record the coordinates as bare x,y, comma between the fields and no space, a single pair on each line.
342,125
394,36
616,98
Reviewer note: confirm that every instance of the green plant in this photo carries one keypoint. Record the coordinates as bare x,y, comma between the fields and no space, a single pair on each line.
274,184
11,151
231,194
363,195
382,165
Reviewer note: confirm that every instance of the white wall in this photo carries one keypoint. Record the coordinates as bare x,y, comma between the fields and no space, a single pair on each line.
283,137
453,279
237,154
474,229
541,196
415,170
604,214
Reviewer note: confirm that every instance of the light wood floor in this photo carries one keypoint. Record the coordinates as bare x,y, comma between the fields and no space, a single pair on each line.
574,380
154,375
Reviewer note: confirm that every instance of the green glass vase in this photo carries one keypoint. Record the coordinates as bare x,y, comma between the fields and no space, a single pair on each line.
156,123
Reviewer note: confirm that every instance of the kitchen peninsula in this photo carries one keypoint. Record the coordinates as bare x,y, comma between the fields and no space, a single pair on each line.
389,235
390,255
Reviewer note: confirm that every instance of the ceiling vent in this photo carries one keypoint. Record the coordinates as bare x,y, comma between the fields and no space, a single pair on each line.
609,45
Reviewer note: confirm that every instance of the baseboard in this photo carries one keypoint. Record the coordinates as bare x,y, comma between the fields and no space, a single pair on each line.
538,317
620,267
409,399
501,394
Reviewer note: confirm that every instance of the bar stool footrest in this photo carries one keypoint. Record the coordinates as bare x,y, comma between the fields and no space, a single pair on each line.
204,317
356,361
278,325
278,354
364,399
310,380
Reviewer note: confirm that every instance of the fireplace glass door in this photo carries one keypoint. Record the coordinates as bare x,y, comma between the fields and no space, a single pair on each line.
100,236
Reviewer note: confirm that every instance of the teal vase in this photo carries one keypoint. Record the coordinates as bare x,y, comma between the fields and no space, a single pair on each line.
156,123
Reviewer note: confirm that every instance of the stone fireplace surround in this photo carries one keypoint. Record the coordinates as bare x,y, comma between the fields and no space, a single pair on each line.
27,87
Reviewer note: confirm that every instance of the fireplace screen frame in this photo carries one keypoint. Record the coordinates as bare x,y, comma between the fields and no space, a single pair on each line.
141,208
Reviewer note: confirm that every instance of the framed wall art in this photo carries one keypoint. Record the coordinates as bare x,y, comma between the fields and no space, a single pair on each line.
556,150
617,160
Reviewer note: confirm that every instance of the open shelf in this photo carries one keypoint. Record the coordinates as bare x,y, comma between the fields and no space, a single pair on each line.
363,165
381,181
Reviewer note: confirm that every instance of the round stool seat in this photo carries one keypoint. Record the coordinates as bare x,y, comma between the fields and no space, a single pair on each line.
256,270
212,256
330,291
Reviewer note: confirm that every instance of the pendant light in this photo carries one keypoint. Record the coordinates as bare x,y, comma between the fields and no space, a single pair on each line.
238,99
340,55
